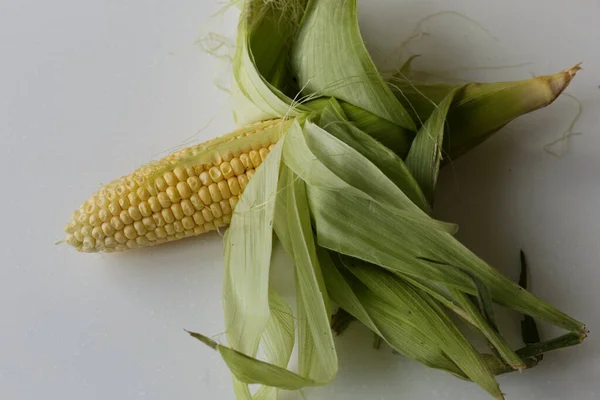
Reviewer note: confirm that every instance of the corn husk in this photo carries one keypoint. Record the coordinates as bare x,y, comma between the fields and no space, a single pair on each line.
479,109
348,190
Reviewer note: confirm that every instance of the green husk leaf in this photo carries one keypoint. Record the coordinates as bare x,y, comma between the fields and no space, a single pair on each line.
250,370
277,341
430,320
383,158
316,174
330,59
392,136
480,109
389,323
384,236
262,81
423,160
317,358
397,237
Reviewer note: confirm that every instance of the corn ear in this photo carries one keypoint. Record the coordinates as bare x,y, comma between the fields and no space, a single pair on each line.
185,194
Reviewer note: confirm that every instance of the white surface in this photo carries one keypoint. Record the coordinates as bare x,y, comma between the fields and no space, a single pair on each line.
90,90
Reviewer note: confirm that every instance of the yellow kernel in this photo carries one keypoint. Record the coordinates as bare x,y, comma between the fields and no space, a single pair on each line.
94,220
170,229
264,152
112,195
152,190
160,184
158,219
173,194
142,241
134,213
271,147
143,193
234,186
70,227
204,195
209,226
184,190
243,180
198,169
154,204
196,202
125,217
91,208
131,244
82,218
226,170
181,174
86,231
188,223
160,232
89,243
104,215
102,201
198,219
110,242
120,247
219,222
190,171
168,215
117,223
178,226
121,190
207,215
108,229
151,236
140,228
170,178
149,223
218,159
225,206
187,207
245,159
205,178
224,189
114,208
177,210
215,193
120,237
233,200
139,179
194,183
237,166
250,173
97,233
215,174
189,232
255,158
227,219
124,203
70,239
164,200
78,236
215,208
179,235
134,199
130,232
145,209
199,230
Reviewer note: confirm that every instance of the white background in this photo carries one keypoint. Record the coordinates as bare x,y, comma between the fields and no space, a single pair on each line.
89,90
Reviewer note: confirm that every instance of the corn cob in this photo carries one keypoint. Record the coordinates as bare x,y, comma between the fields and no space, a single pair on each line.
188,193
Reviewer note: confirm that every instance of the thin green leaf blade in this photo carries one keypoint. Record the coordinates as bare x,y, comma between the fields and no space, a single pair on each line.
425,155
330,59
